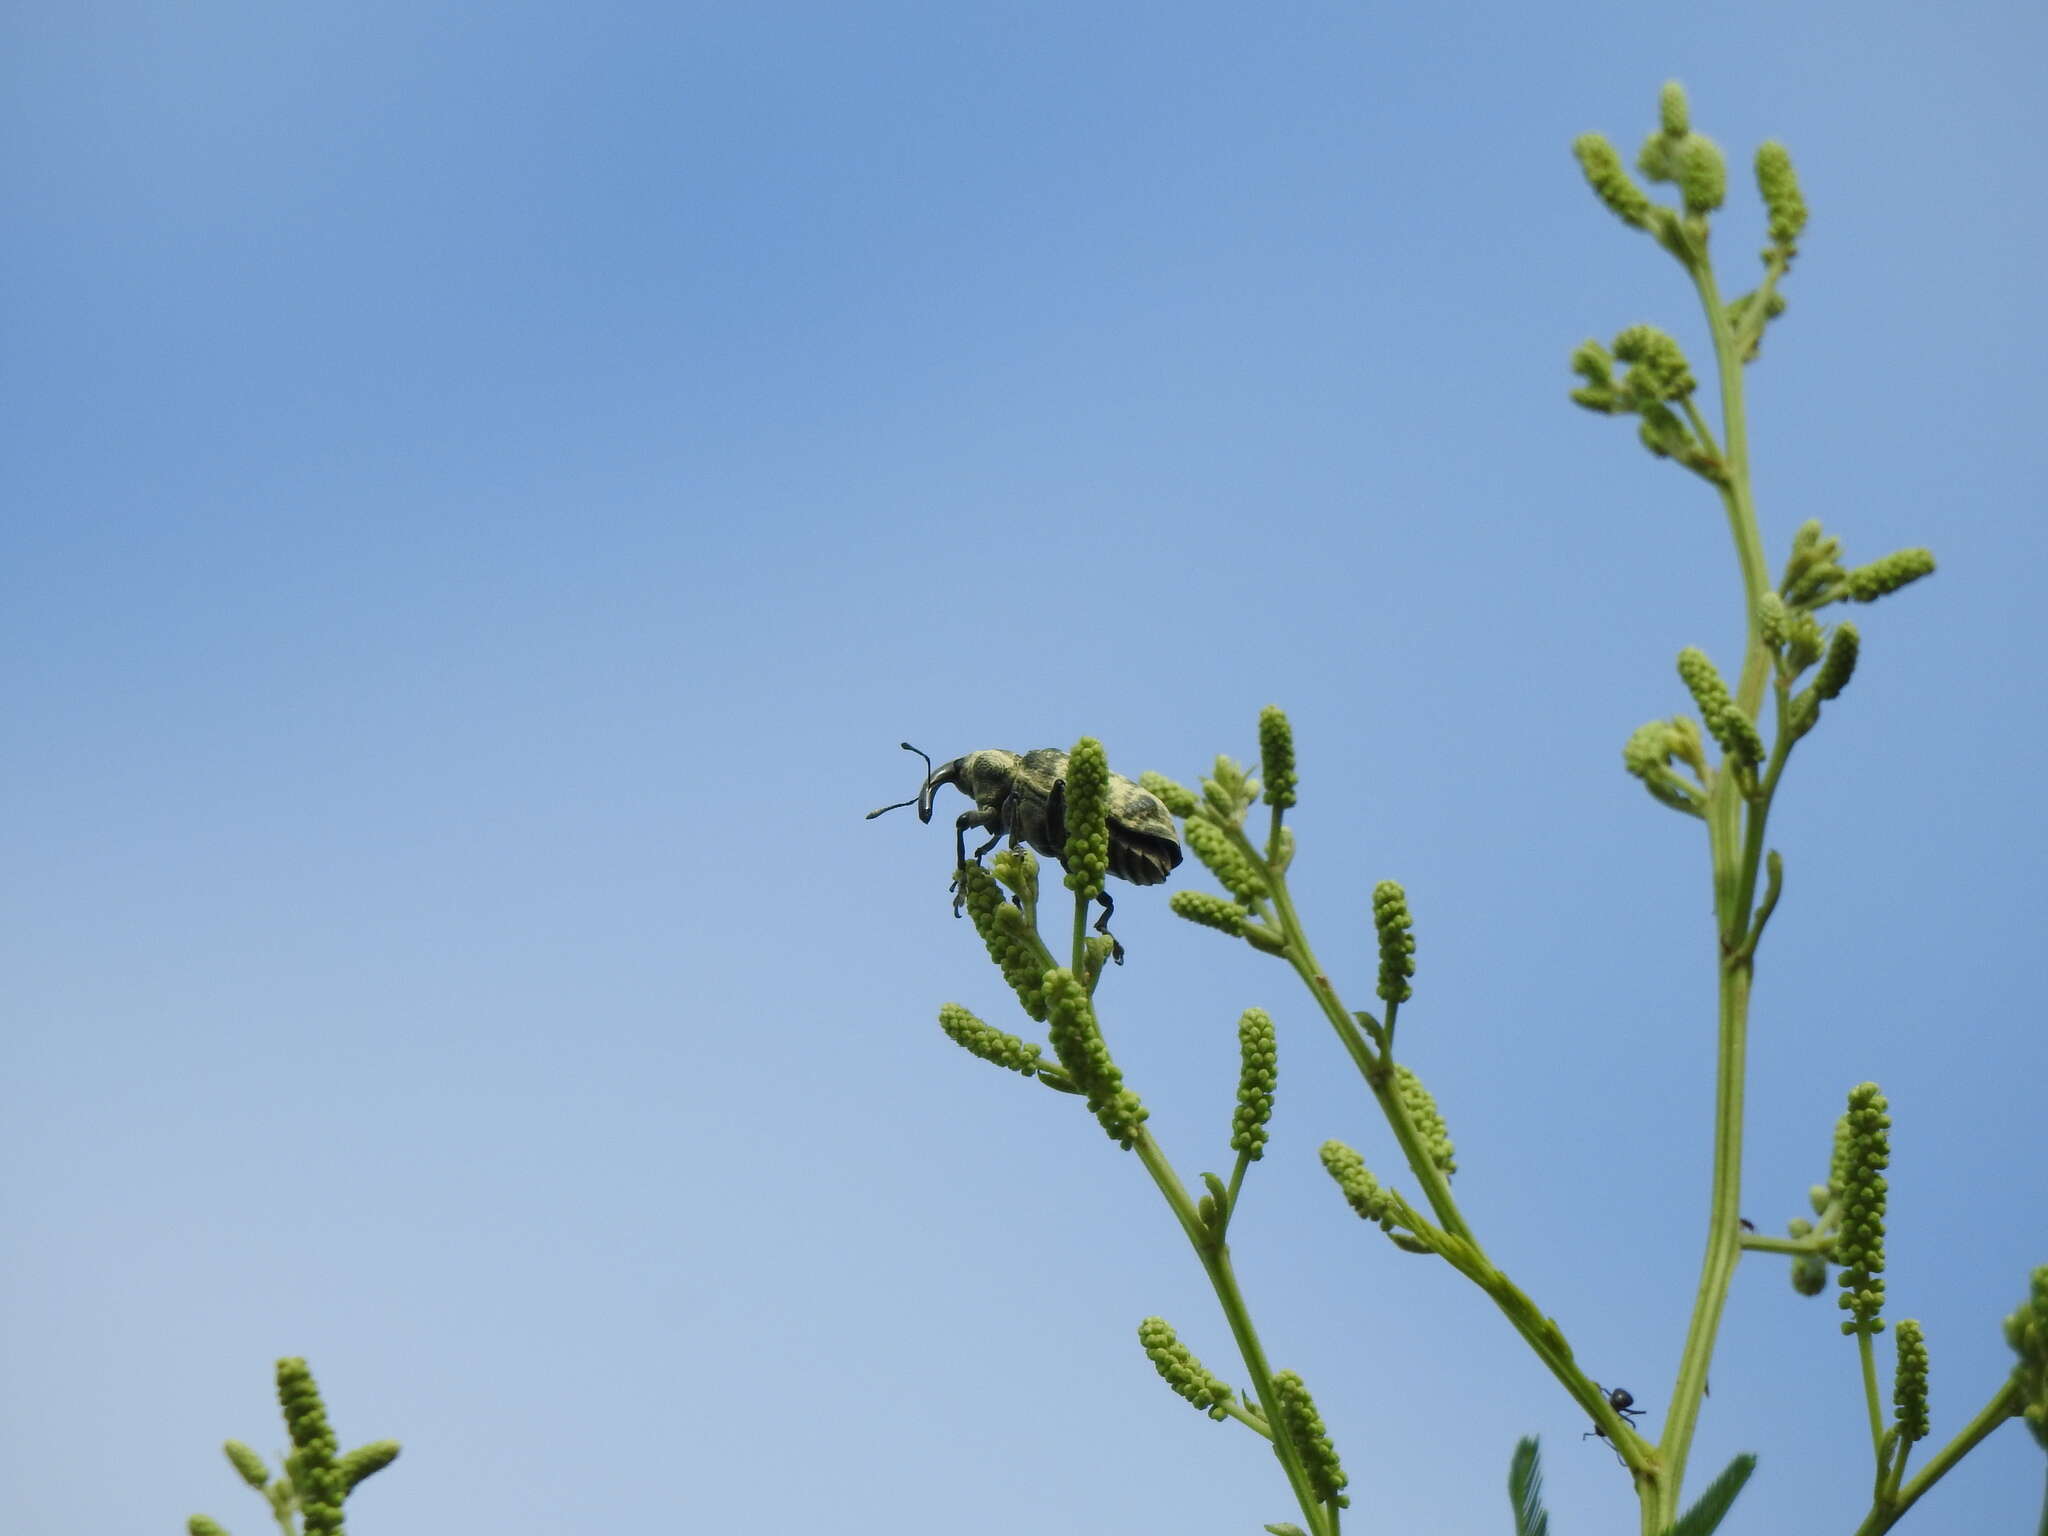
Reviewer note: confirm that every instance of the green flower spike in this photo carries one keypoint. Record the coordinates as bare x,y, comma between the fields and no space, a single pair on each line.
2026,1330
1658,370
1772,620
1909,1381
1013,946
313,1472
1779,185
366,1461
1229,791
1804,642
1880,578
1601,163
1674,113
1397,941
1077,1041
1702,174
1726,722
1427,1119
1087,851
1362,1192
1177,798
986,1041
1840,664
1595,364
1225,860
1180,1370
199,1525
1210,910
1258,1072
1276,756
1311,1440
1860,1247
248,1464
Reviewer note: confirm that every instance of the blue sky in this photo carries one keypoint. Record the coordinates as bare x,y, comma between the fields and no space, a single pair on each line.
487,488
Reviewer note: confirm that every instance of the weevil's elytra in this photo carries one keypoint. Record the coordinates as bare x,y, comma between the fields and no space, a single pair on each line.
1023,797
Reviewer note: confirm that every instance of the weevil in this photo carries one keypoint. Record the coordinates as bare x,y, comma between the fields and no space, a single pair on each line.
1023,796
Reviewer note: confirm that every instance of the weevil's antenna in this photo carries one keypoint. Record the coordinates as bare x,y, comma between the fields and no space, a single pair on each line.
917,799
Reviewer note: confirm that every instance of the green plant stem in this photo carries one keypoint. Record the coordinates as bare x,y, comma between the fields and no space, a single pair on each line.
1464,1253
1868,1356
1215,1256
1737,851
2004,1403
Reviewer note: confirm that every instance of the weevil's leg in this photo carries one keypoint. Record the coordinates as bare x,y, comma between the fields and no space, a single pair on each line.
1056,816
1116,951
974,818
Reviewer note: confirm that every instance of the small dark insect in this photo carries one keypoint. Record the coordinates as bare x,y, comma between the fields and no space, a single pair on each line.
1622,1401
1024,797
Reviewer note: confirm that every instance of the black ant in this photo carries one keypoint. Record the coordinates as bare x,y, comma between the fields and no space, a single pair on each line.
1622,1401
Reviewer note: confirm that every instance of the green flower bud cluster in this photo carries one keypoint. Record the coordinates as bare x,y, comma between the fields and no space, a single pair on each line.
315,1478
1210,910
1839,665
248,1464
1909,1381
1276,756
1859,1248
1180,1370
1224,859
200,1525
366,1461
1077,1041
1601,163
1657,367
1017,870
1258,1073
1397,941
1649,754
1177,798
1229,791
1016,949
1086,854
1726,722
1778,184
2026,1330
1881,578
1427,1119
1310,1439
1362,1192
988,1042
1675,153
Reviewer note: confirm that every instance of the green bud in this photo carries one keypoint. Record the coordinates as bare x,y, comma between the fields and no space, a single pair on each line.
1427,1119
1603,170
1674,116
1867,583
1180,1370
248,1464
1593,363
1657,367
1772,619
1016,869
1818,1196
1648,754
1311,1441
2026,1331
1803,641
1860,1246
986,1041
1809,1274
1226,861
200,1525
1840,665
1702,174
1229,791
1258,1072
1077,1041
1725,720
1177,798
1276,756
1086,854
1779,184
1909,1381
1397,941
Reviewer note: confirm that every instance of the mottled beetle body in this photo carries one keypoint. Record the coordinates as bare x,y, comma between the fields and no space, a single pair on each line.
1022,796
